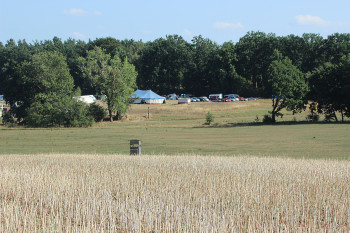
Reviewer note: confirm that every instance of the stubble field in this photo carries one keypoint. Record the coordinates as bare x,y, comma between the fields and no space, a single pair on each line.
119,193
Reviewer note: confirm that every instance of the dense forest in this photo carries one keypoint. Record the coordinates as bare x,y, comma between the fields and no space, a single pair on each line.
200,67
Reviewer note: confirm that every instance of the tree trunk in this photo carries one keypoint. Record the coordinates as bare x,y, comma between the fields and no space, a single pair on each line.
273,116
335,116
110,116
342,115
118,115
273,112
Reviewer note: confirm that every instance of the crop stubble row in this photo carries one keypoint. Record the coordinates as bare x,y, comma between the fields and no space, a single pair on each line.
118,193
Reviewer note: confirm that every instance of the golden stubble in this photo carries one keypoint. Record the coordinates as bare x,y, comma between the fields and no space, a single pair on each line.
185,193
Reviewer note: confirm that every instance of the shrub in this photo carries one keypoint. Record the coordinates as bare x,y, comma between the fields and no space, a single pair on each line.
7,119
313,117
97,112
209,118
328,117
78,115
267,118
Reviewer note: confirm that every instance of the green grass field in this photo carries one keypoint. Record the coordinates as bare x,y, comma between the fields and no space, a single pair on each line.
178,129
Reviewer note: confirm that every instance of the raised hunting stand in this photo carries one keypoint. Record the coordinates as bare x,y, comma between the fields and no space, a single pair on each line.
135,147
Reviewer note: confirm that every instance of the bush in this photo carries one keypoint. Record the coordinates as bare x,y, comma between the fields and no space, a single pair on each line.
59,112
78,115
313,117
97,112
267,118
209,118
7,119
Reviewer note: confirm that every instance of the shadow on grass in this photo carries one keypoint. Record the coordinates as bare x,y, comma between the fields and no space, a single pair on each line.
229,125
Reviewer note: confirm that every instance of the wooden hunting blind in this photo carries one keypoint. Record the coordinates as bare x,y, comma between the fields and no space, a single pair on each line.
135,147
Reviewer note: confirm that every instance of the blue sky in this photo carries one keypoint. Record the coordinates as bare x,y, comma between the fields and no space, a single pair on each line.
219,20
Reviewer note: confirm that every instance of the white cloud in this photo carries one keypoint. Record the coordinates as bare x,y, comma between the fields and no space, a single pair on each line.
226,25
80,12
75,12
311,20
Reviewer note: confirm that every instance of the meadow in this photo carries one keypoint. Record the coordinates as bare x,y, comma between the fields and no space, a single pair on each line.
183,193
179,129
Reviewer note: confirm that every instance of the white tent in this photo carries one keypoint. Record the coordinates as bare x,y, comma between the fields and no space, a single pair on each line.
147,97
88,99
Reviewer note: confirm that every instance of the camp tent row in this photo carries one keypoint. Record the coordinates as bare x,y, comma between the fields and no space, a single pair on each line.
147,97
139,96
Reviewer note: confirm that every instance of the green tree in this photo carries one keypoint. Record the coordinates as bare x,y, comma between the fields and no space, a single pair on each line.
306,52
13,87
163,65
336,46
288,86
254,51
330,88
203,63
225,78
48,101
111,77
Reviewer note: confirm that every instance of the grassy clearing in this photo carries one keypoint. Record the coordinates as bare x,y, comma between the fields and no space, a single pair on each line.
174,129
300,141
116,193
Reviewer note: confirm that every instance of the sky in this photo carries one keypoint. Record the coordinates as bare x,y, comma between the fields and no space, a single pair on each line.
147,20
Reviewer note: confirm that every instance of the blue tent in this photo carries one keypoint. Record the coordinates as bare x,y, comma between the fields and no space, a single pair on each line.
147,96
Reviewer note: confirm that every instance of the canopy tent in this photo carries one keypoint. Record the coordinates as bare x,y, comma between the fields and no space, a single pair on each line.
88,99
147,97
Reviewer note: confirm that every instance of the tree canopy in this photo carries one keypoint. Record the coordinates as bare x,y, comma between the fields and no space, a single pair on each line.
48,97
198,67
111,77
288,87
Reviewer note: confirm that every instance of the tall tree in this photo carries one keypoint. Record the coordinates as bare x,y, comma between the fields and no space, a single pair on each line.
201,77
48,100
288,87
254,51
330,88
11,58
163,64
336,46
111,77
222,71
313,52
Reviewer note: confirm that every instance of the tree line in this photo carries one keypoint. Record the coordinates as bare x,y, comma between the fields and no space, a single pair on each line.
315,68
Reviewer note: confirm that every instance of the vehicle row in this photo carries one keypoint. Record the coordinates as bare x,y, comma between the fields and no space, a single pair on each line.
211,97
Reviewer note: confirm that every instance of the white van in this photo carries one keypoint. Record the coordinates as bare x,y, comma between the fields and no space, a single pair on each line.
215,97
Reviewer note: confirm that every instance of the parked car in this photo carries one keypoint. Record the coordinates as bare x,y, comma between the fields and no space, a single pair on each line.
234,99
215,99
194,99
204,99
251,98
230,96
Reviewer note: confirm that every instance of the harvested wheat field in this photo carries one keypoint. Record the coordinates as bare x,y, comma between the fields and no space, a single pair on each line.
119,193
